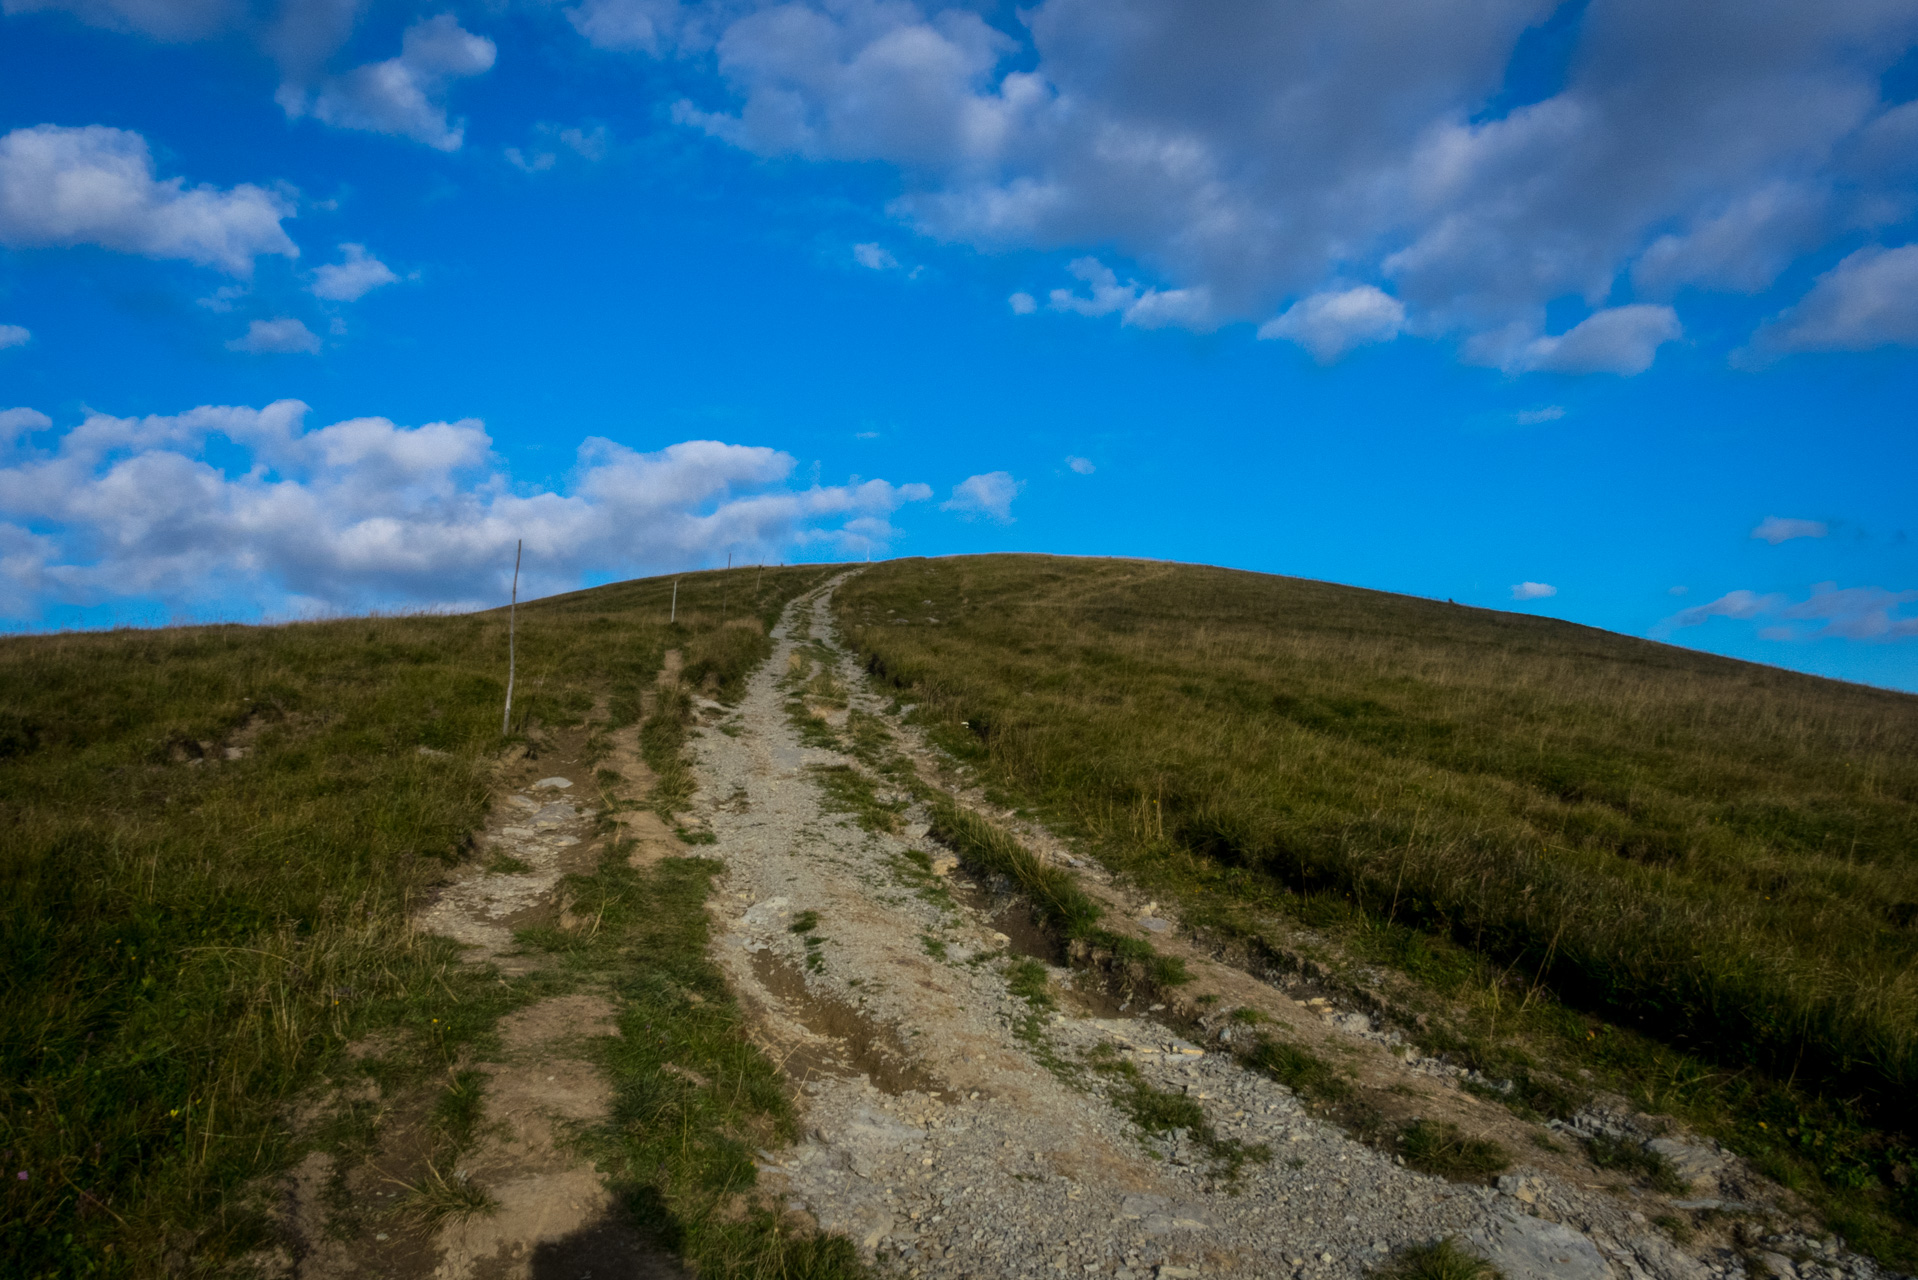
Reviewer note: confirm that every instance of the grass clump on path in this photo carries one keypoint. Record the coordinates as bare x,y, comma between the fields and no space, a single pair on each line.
1443,1259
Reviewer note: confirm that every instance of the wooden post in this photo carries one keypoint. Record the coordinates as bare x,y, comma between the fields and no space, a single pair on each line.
512,627
674,615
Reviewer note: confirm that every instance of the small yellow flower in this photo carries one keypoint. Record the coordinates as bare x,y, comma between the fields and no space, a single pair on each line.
174,1112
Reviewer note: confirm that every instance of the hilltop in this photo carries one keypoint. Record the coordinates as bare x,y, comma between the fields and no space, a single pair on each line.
952,917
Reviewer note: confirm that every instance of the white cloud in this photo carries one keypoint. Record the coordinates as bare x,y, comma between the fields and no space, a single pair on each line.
1777,529
13,335
357,274
1868,300
403,96
1533,590
543,153
365,512
1733,604
170,20
989,495
1833,612
96,185
1852,613
1332,323
1676,591
284,336
16,422
873,257
634,26
1620,340
1532,417
1252,155
1144,308
1022,304
1081,465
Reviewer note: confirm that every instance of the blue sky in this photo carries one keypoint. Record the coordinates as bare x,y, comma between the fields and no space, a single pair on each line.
1600,311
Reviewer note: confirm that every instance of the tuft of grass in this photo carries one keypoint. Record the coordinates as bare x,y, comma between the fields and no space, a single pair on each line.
1161,1113
1445,1259
1439,1147
505,864
1639,1161
437,1199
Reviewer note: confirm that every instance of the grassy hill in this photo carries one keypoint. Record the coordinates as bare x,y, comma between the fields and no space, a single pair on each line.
215,837
1721,855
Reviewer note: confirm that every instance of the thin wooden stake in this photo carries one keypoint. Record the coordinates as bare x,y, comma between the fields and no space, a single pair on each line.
512,628
674,616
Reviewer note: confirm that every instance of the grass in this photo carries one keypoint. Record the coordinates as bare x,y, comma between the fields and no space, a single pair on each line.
1162,1113
694,1096
1440,1147
193,935
1692,876
1441,1260
1640,1162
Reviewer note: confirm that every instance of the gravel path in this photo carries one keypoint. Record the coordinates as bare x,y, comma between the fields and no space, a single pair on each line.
953,1129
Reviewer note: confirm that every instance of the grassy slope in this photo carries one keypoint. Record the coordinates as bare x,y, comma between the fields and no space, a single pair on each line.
1717,852
189,942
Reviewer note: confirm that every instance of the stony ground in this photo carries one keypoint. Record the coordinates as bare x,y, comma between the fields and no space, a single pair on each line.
955,1128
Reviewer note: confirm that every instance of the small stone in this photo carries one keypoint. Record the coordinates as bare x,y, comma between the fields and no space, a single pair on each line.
552,784
1152,924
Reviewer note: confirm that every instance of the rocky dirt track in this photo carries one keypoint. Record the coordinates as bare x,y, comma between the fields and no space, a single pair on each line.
955,1128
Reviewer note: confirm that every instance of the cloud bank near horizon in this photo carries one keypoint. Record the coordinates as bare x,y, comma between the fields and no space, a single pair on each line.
365,513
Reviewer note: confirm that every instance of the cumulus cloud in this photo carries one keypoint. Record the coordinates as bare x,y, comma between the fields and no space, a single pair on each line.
1868,300
18,422
276,337
403,96
987,495
874,258
1081,465
1248,157
95,185
13,335
1829,612
1852,613
1533,590
551,140
355,275
1733,604
1144,308
633,26
1777,529
365,512
1332,323
1532,417
1022,304
1620,340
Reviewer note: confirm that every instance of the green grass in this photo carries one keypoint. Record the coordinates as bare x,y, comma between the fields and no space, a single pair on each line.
1639,1162
694,1096
1441,1260
1162,1113
190,940
1691,875
1440,1147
